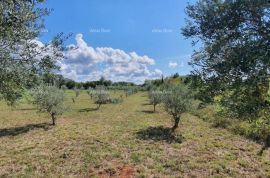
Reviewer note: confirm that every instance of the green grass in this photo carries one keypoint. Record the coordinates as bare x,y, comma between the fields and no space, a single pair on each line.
121,139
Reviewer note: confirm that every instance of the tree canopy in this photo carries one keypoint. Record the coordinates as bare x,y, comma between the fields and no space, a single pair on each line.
22,57
234,60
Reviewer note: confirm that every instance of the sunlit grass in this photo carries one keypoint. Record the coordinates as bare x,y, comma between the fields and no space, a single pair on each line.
110,142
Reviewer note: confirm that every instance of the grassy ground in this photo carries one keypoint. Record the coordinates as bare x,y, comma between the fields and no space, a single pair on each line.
121,140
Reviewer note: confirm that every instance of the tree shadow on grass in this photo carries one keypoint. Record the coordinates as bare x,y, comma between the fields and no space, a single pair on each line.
148,112
88,109
159,134
26,109
13,131
265,146
146,104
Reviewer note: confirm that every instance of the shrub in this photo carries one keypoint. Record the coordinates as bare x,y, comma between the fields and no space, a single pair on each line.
155,98
116,100
258,130
221,122
206,112
177,101
49,99
101,96
12,97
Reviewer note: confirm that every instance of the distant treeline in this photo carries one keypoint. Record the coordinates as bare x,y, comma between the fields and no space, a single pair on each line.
62,82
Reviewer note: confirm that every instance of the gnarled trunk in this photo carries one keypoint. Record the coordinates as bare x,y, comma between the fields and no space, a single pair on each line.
98,106
176,123
53,118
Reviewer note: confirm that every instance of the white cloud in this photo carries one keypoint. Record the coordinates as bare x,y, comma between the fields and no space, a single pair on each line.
172,65
84,63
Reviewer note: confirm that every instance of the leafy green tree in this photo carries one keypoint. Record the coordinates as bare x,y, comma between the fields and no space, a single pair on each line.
155,98
78,85
176,101
49,99
70,84
176,75
233,61
22,58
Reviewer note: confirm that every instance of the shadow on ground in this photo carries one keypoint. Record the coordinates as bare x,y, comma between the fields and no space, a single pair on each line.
88,109
24,129
26,109
159,134
146,104
266,146
148,112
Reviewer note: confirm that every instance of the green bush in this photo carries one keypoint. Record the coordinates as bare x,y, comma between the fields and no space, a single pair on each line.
116,100
258,130
222,122
205,112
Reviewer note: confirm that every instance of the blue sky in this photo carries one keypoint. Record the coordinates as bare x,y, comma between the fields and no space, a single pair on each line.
110,30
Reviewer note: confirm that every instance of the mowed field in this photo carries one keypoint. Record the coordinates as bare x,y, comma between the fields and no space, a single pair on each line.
121,140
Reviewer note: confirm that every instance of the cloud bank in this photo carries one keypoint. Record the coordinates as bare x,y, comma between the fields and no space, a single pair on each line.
85,63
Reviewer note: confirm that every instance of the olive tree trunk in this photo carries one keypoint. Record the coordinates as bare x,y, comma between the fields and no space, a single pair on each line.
176,123
53,119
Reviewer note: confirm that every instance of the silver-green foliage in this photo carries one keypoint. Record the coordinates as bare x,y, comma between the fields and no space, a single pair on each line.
101,96
155,98
22,57
49,99
176,101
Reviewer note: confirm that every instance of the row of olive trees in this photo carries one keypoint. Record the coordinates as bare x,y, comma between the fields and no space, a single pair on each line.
50,99
176,100
101,96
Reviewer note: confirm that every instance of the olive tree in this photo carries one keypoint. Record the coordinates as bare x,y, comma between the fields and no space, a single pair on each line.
176,101
77,93
155,98
101,96
233,61
23,59
49,99
89,91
